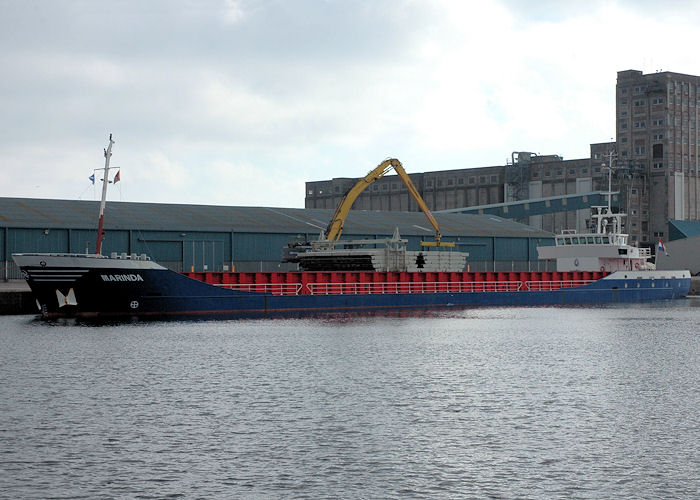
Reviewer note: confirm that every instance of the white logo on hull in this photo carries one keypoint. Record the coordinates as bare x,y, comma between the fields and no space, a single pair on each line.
121,277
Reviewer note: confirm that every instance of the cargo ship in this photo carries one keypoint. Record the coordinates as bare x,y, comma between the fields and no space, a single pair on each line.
592,268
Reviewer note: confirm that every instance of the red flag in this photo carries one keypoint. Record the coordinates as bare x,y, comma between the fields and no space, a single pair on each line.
116,177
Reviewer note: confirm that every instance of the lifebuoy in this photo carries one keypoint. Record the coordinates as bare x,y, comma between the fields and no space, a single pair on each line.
602,269
636,265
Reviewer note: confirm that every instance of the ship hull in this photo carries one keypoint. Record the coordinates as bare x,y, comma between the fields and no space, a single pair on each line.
85,287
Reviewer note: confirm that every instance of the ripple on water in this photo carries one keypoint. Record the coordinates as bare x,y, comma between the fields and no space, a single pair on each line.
500,403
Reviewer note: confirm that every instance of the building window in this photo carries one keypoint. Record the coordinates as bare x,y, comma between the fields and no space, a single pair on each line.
450,182
657,123
572,171
494,179
658,165
623,92
639,102
639,124
429,183
482,179
658,100
439,182
460,180
623,125
584,170
385,187
639,150
311,191
559,172
623,140
472,180
548,173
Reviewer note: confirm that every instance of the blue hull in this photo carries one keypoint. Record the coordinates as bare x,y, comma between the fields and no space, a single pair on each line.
161,292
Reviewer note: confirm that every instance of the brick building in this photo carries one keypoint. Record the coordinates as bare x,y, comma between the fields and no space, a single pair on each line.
526,176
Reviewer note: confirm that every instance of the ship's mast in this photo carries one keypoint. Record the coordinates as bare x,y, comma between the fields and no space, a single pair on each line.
105,181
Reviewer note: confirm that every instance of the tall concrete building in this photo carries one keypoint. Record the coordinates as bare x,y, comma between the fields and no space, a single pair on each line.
527,175
654,157
657,136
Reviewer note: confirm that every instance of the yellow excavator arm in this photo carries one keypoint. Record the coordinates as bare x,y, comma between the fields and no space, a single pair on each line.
335,226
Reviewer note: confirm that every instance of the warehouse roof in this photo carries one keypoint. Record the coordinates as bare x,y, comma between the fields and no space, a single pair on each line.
81,214
679,229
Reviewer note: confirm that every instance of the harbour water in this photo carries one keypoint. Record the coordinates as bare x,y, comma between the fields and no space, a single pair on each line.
480,403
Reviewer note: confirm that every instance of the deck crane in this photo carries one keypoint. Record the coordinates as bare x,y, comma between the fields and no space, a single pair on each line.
335,226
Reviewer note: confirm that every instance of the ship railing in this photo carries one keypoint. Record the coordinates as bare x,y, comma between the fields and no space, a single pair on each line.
273,288
548,286
403,287
413,287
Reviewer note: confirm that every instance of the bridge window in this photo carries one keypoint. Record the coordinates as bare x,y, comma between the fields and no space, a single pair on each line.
606,240
567,241
590,240
570,240
598,240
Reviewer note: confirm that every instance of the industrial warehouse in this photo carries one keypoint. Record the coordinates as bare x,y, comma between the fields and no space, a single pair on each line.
219,238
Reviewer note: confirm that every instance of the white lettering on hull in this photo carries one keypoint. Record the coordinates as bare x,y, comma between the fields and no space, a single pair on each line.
121,277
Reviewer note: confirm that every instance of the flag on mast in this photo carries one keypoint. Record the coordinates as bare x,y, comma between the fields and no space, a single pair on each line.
92,178
116,177
662,247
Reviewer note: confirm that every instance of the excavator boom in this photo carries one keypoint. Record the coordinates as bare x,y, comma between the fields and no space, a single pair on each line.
335,226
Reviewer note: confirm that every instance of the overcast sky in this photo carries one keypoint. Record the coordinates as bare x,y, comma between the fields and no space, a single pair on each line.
240,102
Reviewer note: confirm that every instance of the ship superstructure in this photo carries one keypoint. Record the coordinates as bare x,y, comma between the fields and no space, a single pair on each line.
604,248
